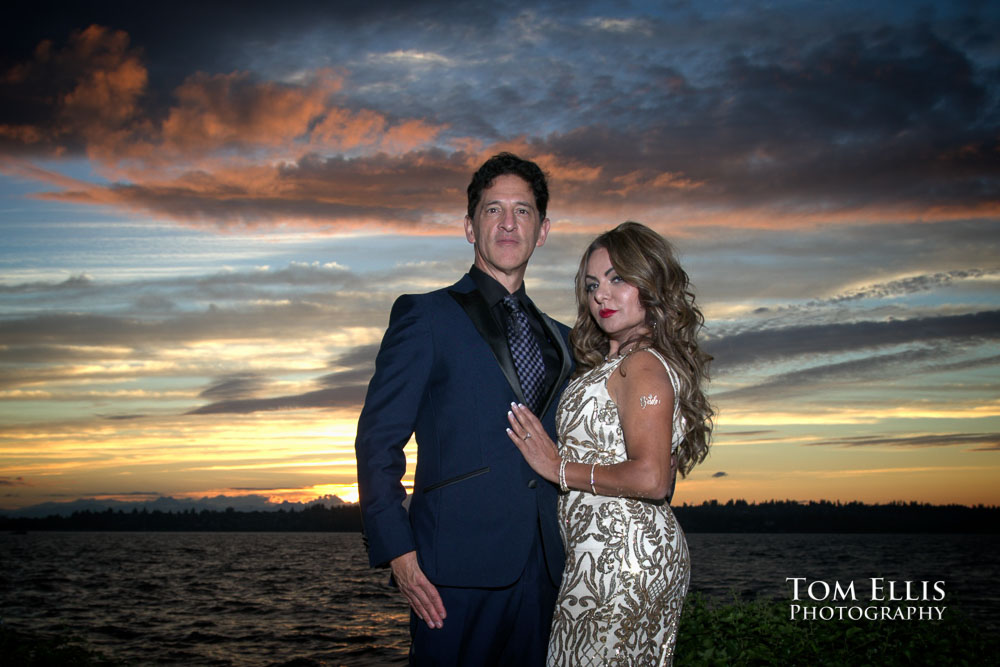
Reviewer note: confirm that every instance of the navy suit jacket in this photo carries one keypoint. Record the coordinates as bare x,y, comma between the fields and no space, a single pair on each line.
444,373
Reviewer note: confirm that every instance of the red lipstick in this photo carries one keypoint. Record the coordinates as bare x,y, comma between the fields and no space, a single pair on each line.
606,312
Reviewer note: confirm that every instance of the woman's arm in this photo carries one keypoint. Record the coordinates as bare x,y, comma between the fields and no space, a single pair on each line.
645,400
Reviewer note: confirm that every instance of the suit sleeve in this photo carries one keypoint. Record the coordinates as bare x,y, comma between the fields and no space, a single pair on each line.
387,421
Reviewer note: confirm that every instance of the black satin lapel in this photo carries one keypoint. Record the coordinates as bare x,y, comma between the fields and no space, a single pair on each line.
476,308
564,354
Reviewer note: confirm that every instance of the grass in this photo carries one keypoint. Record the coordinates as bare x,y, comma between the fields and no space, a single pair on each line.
760,632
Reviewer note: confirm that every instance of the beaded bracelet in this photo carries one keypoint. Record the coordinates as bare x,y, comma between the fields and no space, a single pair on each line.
562,476
592,489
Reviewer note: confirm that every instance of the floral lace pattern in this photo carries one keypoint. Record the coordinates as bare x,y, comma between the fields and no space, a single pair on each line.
627,563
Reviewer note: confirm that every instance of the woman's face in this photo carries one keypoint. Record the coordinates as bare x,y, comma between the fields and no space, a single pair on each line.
613,303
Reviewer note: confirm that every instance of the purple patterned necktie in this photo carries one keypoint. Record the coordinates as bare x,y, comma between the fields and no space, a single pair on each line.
527,355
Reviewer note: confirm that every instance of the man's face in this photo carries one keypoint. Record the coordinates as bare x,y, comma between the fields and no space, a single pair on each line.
506,228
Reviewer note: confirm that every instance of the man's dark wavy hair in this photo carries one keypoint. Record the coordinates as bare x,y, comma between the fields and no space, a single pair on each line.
508,163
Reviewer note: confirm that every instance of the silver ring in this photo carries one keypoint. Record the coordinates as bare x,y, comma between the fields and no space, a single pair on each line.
526,436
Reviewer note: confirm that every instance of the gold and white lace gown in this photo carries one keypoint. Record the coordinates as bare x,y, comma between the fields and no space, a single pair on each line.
627,562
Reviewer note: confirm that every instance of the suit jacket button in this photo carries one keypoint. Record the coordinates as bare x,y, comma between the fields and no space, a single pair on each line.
532,484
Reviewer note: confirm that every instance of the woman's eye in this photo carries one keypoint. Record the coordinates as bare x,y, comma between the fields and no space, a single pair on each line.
590,287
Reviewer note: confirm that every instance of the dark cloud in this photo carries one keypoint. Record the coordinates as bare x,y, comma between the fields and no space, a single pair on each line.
351,396
299,281
154,303
83,329
860,86
966,364
770,344
891,117
16,352
234,387
343,388
986,441
356,376
360,356
720,474
912,285
871,367
214,323
297,274
905,286
77,282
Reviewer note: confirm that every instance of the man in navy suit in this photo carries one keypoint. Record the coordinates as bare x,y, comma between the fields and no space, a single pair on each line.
478,553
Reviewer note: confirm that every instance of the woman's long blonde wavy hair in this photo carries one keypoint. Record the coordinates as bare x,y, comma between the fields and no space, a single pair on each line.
646,260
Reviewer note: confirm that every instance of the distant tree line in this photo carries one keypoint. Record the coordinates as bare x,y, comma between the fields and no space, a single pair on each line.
788,516
737,516
339,518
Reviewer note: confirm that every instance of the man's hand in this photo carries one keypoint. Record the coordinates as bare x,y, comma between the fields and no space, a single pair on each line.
421,593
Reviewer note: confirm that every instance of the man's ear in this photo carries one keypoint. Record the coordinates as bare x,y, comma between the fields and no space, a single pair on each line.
470,230
543,233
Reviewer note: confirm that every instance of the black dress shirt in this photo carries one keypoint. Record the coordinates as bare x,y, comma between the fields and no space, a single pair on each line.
494,292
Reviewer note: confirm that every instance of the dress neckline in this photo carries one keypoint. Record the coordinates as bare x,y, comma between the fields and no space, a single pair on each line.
622,357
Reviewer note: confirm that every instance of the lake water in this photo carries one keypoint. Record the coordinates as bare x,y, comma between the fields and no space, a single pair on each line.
305,599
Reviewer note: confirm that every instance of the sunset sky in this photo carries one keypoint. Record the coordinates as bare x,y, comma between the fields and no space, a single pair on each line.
207,213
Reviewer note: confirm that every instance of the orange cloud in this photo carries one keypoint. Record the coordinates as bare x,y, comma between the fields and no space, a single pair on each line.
223,110
87,93
25,134
90,95
234,110
111,79
646,181
346,130
569,171
325,193
409,135
559,168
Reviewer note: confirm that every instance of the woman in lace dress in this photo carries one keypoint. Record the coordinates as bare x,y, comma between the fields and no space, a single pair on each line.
635,413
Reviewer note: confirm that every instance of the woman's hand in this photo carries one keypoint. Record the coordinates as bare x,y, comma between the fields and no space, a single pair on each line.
536,446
